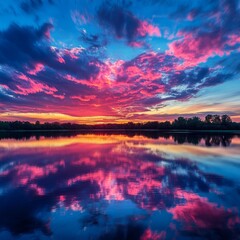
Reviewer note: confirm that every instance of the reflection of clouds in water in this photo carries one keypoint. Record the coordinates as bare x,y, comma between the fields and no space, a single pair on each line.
196,152
74,175
202,218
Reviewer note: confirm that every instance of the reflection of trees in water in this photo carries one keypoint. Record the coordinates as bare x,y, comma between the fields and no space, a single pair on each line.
210,139
224,141
21,135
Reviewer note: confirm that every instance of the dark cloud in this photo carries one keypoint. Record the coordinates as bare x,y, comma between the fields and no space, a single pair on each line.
30,6
186,10
215,80
23,45
120,20
94,40
124,24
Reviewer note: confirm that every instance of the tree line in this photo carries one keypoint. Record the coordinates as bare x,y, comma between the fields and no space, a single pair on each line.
211,122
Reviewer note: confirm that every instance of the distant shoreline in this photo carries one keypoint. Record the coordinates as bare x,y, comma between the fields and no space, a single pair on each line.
124,130
212,123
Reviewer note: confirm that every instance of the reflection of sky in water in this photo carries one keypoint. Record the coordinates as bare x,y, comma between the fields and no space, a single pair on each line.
120,187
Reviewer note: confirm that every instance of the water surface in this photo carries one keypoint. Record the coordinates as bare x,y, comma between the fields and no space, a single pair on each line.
119,186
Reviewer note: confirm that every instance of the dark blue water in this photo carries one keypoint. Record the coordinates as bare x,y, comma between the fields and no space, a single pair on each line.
116,186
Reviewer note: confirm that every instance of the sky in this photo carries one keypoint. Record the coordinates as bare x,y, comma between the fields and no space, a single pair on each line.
87,61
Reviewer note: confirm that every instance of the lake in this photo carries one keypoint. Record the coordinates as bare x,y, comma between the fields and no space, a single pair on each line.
117,185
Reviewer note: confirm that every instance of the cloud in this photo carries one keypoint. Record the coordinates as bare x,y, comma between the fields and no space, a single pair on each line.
132,86
29,6
79,18
124,25
194,49
94,40
85,98
216,36
147,29
33,69
24,45
197,47
28,50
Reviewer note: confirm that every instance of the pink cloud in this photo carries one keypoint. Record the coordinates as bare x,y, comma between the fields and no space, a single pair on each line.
136,44
58,96
233,40
40,191
61,59
62,55
151,235
73,53
123,83
30,86
198,48
85,98
38,67
146,28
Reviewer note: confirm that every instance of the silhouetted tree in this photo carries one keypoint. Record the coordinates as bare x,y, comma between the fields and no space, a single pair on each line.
226,119
216,119
181,122
208,118
164,125
194,123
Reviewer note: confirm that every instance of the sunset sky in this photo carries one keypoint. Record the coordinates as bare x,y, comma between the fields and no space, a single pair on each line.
89,61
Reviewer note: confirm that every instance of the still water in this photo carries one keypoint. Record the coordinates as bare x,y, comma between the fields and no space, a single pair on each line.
119,186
